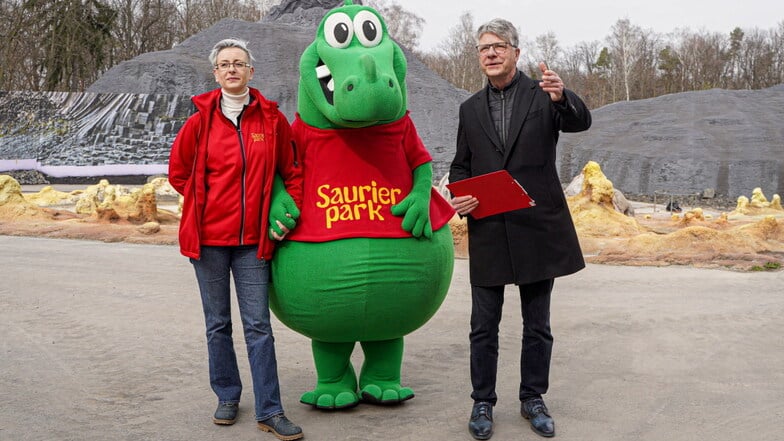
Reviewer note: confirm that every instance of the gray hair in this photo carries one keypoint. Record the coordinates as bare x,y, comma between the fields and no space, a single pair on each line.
503,28
227,43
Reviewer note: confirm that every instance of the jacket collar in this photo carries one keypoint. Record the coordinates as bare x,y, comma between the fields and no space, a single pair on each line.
515,80
210,101
524,94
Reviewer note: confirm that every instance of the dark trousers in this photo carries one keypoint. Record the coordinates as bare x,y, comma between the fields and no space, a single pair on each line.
487,303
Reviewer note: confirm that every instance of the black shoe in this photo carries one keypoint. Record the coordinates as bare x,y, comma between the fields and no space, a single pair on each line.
225,414
536,412
481,423
281,427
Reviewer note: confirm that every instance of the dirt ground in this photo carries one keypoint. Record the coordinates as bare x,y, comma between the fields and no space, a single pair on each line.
105,341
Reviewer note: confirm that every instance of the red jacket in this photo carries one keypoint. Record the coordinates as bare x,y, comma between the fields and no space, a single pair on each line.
225,174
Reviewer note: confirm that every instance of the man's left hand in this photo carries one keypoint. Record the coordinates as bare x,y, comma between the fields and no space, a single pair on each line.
551,83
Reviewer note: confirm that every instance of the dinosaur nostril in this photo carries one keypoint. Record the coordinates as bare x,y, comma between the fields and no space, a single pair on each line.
350,87
391,85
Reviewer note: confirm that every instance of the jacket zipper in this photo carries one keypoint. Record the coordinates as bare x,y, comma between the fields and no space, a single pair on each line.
197,213
294,148
244,172
503,121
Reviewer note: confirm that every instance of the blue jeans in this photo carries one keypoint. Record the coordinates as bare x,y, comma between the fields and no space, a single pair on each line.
251,279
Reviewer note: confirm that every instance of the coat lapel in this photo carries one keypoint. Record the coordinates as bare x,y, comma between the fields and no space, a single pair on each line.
485,121
526,91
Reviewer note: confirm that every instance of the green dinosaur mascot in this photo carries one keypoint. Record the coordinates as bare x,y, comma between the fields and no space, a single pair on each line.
371,257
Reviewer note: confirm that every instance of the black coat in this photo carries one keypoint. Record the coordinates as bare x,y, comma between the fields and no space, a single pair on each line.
531,244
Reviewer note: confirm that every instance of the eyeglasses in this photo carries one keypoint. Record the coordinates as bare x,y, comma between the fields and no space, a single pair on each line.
500,48
239,65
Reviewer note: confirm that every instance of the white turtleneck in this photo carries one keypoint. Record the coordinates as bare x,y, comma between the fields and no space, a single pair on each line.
232,105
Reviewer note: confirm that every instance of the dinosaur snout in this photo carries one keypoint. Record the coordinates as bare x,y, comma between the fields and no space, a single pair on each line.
369,67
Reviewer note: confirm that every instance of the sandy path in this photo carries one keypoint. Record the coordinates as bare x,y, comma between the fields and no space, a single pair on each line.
105,342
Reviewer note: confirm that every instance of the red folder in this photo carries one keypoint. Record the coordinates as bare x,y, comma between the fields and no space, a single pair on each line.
497,192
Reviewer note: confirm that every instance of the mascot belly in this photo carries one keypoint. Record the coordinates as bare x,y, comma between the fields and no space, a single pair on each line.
371,257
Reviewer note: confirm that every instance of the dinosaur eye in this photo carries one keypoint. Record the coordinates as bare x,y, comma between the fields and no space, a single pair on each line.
368,26
338,30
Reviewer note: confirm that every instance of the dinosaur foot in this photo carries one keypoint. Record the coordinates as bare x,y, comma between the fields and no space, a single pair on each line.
331,400
385,394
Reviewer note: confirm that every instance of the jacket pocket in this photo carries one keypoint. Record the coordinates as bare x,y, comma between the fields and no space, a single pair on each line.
533,114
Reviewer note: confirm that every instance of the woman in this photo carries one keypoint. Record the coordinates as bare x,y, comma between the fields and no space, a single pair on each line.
223,162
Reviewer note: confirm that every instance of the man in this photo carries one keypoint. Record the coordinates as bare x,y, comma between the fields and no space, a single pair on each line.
513,124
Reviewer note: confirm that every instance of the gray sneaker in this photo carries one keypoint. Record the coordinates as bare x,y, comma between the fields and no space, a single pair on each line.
281,427
225,414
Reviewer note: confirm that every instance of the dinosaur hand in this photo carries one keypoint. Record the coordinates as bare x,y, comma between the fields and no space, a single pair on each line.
415,210
283,212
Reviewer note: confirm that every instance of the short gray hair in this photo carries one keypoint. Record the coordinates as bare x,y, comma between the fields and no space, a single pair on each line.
227,43
503,28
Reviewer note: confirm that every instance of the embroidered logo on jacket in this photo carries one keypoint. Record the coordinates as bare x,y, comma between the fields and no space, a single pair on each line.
257,137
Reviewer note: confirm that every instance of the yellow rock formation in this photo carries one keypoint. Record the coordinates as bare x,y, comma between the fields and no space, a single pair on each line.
723,219
758,205
117,214
775,203
758,199
459,227
767,229
756,242
92,197
149,228
48,196
146,205
163,188
139,206
13,204
743,205
733,240
592,209
691,217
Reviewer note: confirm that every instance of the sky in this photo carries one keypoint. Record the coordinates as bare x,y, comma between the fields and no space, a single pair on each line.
584,21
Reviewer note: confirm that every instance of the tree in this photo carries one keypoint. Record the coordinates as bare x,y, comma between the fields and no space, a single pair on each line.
624,42
703,58
196,15
14,65
457,60
143,26
582,73
589,54
645,70
756,61
403,25
604,69
733,67
548,49
671,68
74,36
78,40
777,46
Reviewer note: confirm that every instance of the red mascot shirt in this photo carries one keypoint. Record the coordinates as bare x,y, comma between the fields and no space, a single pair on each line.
353,176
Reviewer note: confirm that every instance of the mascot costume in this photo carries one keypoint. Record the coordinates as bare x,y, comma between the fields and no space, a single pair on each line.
371,257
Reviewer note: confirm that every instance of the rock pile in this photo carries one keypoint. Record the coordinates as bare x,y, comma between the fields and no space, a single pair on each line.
725,141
